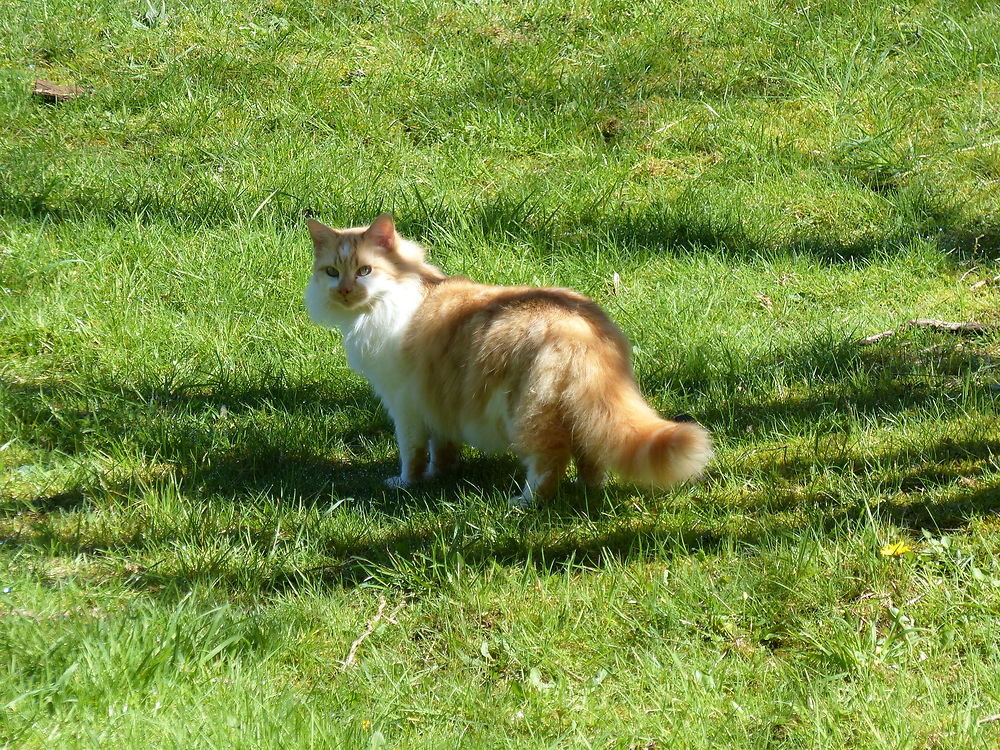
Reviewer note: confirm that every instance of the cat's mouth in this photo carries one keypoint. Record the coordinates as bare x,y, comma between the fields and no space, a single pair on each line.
350,302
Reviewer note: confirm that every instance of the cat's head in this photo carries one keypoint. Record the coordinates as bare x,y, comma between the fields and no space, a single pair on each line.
352,268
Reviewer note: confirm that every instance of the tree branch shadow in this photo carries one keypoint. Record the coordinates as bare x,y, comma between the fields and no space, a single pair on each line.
689,223
259,454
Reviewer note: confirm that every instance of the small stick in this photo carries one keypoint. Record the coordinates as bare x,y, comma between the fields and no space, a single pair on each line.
943,325
977,145
988,720
914,600
369,629
984,282
875,337
964,275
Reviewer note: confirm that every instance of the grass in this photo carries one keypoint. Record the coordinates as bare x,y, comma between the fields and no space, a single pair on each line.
193,526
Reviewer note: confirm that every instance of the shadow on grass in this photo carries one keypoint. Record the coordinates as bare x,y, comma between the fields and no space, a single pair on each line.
829,383
278,442
564,538
937,484
950,514
218,438
693,223
690,223
224,436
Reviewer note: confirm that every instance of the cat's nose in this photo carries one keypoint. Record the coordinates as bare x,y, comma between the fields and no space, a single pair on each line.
345,290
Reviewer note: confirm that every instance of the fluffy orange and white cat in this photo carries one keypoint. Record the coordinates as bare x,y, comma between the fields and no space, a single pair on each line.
541,372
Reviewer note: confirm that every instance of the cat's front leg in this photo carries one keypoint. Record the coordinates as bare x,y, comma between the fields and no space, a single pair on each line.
412,439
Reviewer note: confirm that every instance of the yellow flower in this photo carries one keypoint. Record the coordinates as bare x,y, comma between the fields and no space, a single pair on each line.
896,549
365,724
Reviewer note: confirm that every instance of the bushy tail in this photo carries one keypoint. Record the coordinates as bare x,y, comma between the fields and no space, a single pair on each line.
614,427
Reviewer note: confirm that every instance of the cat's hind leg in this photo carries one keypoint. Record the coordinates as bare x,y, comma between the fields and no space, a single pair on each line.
590,473
545,471
543,445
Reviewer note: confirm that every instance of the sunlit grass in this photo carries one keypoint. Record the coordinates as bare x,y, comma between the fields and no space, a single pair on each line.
194,531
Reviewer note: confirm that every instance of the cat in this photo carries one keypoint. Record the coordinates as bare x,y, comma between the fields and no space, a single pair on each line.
542,372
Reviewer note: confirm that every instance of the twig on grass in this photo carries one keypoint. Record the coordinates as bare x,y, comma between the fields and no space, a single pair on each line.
973,147
966,274
53,92
369,629
873,338
943,325
988,720
970,327
985,282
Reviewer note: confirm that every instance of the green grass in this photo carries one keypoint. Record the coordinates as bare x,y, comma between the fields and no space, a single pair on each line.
193,525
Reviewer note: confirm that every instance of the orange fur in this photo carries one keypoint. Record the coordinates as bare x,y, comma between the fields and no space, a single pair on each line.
539,371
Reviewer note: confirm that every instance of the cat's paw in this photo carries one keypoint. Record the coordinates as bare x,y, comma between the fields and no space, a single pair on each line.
396,482
523,501
593,483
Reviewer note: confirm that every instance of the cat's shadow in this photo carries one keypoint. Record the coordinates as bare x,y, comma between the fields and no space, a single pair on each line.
248,460
362,484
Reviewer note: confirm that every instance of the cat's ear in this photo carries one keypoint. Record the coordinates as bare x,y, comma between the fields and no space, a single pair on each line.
321,234
382,232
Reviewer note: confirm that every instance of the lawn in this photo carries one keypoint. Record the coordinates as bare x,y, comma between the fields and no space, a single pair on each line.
197,549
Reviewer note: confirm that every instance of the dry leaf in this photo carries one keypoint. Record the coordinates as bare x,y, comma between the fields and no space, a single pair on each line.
53,92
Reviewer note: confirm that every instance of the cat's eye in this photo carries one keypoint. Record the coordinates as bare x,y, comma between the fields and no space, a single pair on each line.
331,271
364,270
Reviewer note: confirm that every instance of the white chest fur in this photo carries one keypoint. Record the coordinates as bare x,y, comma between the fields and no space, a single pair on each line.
373,338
